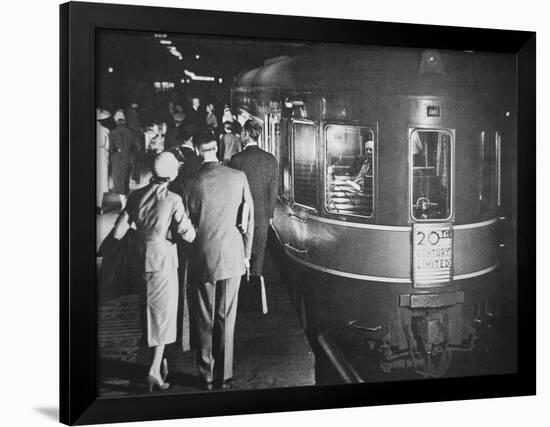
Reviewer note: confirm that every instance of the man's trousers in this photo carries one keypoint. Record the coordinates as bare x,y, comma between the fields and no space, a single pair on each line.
216,312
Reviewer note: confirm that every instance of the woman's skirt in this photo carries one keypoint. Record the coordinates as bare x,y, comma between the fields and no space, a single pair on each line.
159,297
102,174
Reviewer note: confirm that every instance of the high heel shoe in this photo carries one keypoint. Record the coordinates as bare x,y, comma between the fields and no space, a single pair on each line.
152,382
164,370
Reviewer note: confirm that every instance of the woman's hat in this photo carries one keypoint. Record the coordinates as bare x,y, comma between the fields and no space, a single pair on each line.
166,166
102,114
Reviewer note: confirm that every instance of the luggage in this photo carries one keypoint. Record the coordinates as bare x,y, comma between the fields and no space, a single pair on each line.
252,295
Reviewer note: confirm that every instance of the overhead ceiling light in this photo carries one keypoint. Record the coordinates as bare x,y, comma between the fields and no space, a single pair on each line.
165,42
220,80
110,69
196,77
197,56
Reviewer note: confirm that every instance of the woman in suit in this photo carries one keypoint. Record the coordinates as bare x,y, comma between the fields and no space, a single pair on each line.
155,211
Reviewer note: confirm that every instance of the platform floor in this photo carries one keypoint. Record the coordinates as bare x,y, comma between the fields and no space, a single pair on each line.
271,351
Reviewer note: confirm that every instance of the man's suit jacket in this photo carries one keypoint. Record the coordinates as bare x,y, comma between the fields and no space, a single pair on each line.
261,170
196,117
192,162
172,135
214,195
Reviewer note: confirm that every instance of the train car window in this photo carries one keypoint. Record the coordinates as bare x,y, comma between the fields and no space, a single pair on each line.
304,164
266,133
284,160
275,132
431,152
489,178
350,170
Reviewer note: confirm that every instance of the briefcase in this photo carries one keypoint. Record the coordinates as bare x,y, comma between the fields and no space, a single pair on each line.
252,296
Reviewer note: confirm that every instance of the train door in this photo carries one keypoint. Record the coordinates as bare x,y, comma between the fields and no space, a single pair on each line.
299,176
283,207
431,157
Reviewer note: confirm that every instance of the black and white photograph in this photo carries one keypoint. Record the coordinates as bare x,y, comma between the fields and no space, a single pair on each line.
279,214
286,213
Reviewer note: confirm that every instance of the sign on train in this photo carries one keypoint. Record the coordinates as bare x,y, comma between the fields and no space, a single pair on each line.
432,253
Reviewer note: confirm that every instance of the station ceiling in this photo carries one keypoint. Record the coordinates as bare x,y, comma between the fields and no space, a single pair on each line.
142,56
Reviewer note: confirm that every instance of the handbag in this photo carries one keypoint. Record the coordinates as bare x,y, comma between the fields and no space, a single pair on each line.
117,275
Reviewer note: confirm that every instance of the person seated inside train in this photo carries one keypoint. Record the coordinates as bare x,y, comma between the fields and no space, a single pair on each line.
356,165
359,182
336,162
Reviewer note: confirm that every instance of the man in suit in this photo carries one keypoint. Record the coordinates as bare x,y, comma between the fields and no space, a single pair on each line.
132,120
190,163
186,154
195,114
216,195
261,170
173,131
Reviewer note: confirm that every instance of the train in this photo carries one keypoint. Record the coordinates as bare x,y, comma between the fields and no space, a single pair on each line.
392,197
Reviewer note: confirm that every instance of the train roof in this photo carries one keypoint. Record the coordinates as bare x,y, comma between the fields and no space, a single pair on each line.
337,69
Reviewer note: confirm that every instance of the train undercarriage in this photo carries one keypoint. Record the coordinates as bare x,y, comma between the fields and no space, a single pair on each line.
369,333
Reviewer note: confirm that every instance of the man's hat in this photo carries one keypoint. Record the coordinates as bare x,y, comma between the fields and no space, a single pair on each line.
187,131
119,116
179,117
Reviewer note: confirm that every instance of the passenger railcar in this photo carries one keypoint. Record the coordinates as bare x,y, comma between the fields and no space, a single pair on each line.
390,190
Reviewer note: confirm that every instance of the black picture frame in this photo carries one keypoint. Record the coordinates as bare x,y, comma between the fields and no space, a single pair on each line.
79,403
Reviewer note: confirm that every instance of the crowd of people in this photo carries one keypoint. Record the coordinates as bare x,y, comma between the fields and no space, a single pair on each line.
200,228
124,144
